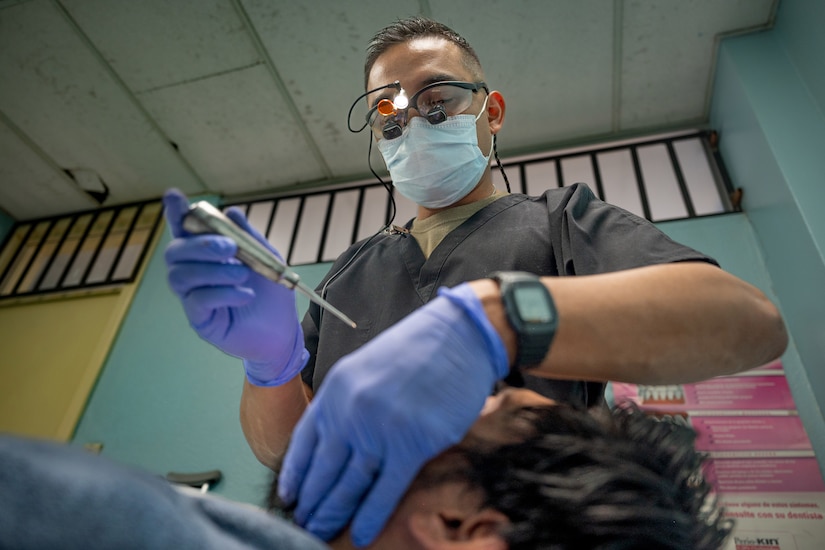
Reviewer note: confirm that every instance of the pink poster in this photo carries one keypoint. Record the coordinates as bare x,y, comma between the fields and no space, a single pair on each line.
750,433
762,463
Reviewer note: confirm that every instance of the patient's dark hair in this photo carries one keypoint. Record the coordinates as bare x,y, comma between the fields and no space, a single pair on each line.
601,480
591,480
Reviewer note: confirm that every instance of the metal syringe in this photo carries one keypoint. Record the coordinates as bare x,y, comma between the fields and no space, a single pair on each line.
205,218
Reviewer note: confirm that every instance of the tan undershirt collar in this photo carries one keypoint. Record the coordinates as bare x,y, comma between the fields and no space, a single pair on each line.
430,231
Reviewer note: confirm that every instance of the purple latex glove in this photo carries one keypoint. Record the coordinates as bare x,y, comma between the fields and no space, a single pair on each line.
387,408
229,305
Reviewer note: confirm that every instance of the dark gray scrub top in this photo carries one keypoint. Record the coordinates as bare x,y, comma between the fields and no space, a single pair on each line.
563,232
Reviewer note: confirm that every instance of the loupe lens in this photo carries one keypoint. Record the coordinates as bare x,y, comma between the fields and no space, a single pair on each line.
435,102
391,130
437,115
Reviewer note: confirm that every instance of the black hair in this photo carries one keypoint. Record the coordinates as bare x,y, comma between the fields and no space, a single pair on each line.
601,480
587,479
404,30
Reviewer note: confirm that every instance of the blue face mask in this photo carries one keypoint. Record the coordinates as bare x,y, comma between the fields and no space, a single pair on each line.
436,165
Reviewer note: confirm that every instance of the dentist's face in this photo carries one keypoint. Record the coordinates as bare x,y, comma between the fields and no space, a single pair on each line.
422,61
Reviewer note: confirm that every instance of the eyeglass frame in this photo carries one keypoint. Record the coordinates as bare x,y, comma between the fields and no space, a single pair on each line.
394,127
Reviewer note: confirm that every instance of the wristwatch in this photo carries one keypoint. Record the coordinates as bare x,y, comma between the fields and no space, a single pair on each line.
531,312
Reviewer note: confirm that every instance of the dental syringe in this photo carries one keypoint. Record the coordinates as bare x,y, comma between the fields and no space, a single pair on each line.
205,218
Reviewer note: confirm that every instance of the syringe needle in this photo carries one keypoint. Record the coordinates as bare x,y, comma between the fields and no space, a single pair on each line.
309,293
205,218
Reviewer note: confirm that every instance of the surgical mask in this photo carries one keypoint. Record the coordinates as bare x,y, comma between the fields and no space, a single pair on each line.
436,165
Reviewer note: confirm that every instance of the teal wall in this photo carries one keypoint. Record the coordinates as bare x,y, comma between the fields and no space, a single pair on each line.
5,225
167,401
769,108
732,241
799,27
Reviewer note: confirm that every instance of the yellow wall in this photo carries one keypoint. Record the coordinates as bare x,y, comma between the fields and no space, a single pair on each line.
51,352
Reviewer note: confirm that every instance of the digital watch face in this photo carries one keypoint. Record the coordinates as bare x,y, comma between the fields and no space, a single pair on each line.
531,302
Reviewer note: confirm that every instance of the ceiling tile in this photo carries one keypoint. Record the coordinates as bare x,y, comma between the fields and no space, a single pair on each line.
552,61
105,85
237,130
31,188
58,94
318,49
667,53
156,43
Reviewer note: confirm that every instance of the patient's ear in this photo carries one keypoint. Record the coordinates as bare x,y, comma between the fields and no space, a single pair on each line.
477,530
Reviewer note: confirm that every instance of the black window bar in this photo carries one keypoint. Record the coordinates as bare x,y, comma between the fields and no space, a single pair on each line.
664,178
90,249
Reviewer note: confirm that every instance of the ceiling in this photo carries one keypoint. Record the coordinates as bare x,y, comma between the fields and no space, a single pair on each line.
246,98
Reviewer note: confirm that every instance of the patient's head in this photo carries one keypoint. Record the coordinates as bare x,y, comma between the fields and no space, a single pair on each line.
533,474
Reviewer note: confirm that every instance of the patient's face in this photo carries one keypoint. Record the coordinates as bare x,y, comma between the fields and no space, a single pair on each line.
441,509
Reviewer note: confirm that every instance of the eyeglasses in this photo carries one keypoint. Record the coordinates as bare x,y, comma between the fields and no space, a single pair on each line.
435,102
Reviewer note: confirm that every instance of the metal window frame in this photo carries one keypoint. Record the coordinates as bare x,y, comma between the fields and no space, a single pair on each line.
83,284
707,138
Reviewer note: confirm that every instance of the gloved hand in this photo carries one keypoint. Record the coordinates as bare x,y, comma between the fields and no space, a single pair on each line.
387,408
229,305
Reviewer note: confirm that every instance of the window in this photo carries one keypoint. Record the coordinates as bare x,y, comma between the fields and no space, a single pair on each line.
664,177
104,247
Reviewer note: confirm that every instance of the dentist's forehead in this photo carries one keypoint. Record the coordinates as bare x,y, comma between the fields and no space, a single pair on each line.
418,61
